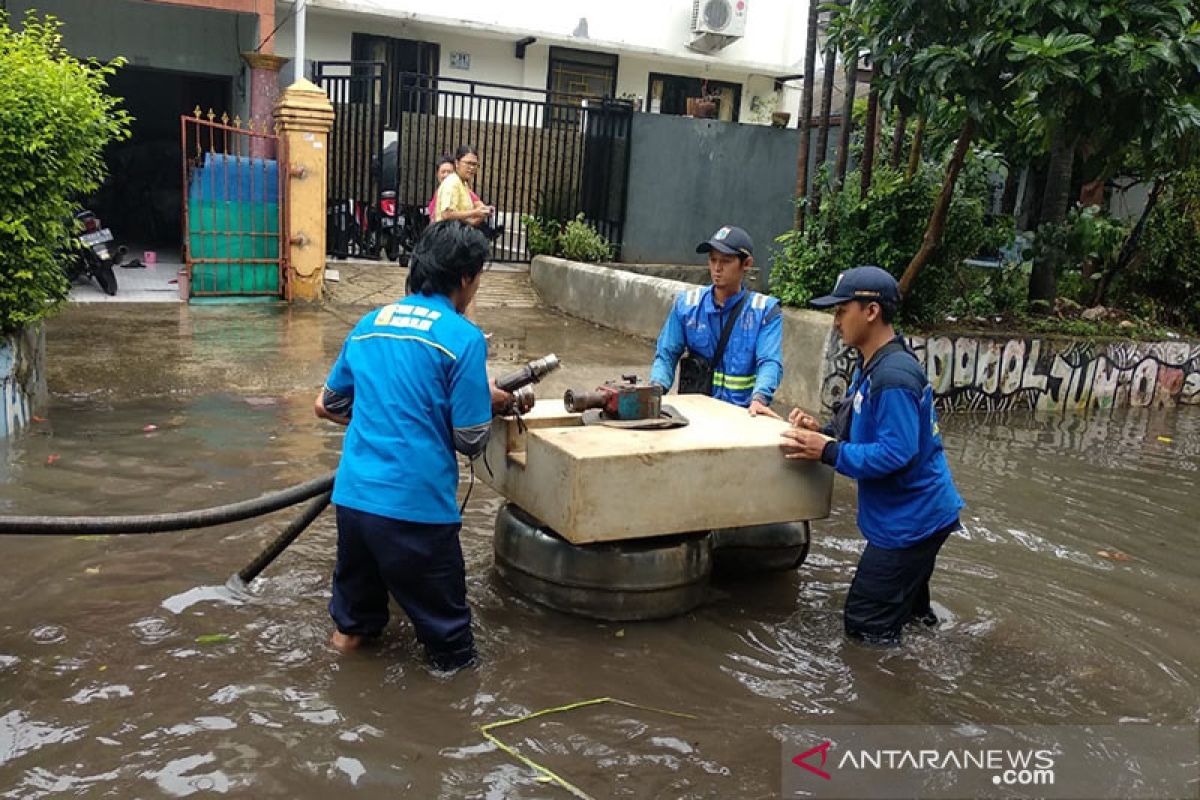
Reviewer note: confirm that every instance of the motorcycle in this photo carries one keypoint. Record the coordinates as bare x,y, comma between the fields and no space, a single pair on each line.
399,227
95,258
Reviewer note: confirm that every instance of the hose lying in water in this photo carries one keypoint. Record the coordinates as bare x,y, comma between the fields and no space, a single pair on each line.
175,521
284,539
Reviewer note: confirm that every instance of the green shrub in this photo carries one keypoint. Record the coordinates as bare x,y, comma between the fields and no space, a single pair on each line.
55,121
1082,248
541,235
577,240
1163,281
581,242
885,229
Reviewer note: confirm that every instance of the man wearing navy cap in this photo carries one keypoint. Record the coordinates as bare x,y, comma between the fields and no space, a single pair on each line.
885,435
730,339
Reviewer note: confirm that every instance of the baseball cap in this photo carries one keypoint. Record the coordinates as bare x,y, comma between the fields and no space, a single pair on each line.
730,240
861,283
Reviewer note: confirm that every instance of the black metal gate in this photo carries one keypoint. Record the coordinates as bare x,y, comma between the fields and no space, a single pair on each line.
547,156
358,91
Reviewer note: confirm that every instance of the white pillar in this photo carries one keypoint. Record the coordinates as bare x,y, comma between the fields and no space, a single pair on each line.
301,12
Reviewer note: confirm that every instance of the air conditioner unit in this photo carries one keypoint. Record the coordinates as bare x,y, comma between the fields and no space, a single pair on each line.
725,18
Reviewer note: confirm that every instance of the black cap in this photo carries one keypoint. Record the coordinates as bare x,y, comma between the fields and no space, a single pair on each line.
871,284
730,240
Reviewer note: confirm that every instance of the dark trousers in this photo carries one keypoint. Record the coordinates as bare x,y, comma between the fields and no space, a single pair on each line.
420,565
891,587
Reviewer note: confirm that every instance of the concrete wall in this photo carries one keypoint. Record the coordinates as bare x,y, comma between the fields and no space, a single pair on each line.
22,378
688,177
688,273
151,34
638,305
968,373
157,36
988,373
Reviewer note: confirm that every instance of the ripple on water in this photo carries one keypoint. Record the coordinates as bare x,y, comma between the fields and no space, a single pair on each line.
175,780
48,634
20,735
152,630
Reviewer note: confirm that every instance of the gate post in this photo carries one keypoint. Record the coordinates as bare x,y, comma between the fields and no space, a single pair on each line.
304,117
264,93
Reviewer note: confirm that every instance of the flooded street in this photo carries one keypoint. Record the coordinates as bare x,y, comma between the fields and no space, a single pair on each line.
1073,596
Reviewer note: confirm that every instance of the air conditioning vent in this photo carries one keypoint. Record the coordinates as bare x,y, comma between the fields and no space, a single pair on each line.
722,17
717,23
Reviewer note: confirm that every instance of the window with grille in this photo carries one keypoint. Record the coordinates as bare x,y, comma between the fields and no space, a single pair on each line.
578,75
409,76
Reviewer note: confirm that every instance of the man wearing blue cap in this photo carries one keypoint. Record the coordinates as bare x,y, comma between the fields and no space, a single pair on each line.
727,340
885,435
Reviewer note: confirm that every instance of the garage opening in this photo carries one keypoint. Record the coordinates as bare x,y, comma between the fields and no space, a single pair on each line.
141,202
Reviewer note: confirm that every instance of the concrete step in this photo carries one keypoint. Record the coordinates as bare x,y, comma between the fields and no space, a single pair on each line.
373,283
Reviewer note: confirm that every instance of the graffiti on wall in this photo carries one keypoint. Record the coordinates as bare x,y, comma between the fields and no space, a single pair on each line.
21,379
985,374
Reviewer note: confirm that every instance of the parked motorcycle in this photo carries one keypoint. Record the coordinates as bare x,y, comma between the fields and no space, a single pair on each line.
96,256
399,227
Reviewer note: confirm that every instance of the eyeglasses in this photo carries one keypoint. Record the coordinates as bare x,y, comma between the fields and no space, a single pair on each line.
470,164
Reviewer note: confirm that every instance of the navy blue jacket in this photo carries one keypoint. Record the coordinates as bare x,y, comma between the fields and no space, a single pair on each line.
894,451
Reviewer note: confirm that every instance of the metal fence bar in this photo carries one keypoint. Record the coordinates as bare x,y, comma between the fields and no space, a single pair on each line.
234,220
548,154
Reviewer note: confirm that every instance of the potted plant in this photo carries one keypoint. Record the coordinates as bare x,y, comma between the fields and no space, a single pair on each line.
704,106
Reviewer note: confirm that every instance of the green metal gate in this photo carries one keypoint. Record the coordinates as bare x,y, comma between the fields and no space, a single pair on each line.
234,214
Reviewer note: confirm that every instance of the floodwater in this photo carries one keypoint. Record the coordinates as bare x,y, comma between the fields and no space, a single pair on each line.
1072,597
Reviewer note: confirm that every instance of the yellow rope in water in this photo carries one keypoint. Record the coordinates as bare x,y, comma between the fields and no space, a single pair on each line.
546,773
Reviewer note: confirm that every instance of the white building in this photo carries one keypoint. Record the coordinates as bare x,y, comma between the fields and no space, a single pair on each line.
654,52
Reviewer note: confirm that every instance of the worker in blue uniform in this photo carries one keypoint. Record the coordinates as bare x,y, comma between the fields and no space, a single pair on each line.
885,435
414,371
746,368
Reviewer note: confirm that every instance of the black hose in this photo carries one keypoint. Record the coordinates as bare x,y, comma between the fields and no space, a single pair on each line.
289,534
162,523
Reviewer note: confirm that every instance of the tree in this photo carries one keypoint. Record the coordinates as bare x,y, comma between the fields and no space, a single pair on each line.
55,121
828,73
1104,78
806,109
932,52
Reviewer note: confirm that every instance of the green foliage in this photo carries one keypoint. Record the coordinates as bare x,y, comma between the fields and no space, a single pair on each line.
541,235
885,229
55,121
577,240
1163,282
581,242
1083,247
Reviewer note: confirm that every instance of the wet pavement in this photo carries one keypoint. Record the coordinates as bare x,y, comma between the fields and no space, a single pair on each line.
1072,598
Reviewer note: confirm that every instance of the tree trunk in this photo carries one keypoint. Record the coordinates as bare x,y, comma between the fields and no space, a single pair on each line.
1012,184
914,152
898,138
806,109
1130,246
1035,187
870,137
1043,283
843,155
937,220
823,132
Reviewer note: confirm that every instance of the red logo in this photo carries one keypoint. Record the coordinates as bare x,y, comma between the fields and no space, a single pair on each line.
823,749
